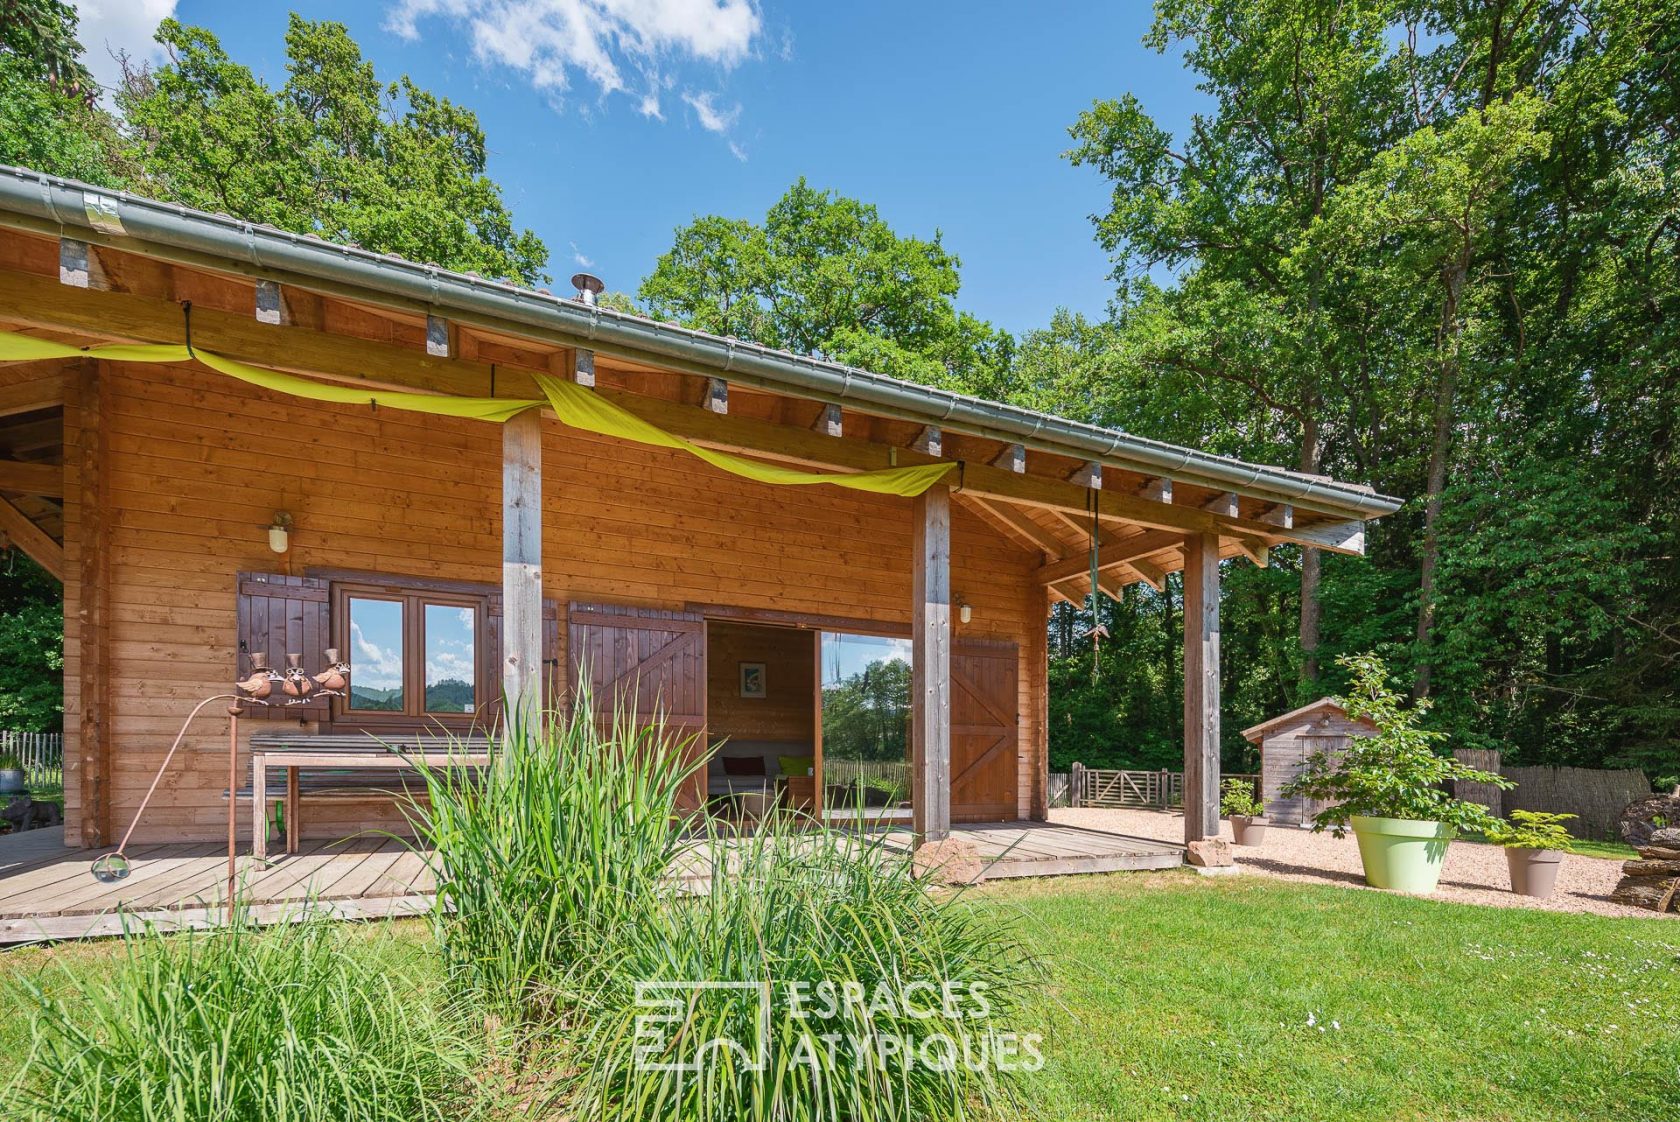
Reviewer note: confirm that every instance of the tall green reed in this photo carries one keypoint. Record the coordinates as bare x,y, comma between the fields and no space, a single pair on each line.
545,857
290,1024
932,977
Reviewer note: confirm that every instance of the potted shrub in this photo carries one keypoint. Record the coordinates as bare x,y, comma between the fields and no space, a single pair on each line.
1247,817
11,775
1535,843
1391,787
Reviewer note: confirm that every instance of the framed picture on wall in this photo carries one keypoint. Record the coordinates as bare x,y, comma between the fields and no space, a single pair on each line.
752,680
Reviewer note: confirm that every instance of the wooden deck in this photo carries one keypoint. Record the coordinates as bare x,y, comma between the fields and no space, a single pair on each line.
48,892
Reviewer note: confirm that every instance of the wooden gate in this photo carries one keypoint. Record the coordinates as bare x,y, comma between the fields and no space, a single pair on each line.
985,737
648,661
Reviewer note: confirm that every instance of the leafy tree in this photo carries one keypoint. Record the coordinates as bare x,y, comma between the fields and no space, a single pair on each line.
1435,246
826,275
866,715
49,119
31,647
1393,773
333,152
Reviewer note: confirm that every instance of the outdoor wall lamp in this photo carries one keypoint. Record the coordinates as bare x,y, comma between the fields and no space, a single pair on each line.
965,611
280,532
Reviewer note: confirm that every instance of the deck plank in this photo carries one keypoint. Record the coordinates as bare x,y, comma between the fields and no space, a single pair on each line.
179,886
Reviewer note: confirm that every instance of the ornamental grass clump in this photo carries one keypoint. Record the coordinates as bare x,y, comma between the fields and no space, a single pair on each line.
546,855
821,978
294,1023
1395,773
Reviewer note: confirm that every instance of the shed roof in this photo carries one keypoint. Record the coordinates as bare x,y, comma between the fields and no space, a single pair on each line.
1324,705
63,207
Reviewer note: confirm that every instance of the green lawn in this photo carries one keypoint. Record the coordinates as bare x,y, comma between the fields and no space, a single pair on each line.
1245,998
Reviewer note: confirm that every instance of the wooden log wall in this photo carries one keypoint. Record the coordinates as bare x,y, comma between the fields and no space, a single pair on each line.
197,465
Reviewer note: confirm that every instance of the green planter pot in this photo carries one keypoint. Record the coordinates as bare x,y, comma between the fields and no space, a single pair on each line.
1401,855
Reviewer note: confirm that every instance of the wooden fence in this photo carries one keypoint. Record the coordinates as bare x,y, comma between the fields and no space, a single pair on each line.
1100,787
880,772
1596,796
41,753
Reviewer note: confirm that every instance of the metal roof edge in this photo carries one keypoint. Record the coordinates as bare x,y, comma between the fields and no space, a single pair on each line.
72,205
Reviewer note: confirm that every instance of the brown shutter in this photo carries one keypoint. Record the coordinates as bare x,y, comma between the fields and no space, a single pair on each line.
646,658
281,615
985,737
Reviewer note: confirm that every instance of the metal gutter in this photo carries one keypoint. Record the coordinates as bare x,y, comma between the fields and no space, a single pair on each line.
171,230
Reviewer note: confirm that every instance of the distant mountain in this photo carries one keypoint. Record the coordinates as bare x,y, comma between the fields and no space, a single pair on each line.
449,696
369,699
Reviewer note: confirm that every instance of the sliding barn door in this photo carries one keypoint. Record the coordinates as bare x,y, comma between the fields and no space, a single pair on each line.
646,660
985,737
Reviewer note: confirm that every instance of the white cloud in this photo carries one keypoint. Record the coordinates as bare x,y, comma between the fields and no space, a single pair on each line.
374,666
712,118
109,27
581,258
549,40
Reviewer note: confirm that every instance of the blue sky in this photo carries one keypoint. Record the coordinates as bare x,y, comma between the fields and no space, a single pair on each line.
612,122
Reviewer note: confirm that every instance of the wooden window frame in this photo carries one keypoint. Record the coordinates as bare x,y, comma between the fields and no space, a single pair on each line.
414,598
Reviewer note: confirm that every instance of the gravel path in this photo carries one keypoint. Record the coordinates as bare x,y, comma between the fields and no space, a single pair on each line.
1474,873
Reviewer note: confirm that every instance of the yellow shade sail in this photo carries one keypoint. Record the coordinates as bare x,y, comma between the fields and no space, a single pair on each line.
583,409
575,405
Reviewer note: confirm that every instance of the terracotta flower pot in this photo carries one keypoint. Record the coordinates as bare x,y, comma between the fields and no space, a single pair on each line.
1534,872
1248,830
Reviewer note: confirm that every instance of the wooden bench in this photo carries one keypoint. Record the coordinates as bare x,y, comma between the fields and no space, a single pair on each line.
328,761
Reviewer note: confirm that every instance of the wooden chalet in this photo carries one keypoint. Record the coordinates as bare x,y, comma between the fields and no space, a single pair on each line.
157,488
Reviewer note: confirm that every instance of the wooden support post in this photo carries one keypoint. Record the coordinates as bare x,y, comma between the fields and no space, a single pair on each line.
1201,687
522,668
93,592
1038,688
930,665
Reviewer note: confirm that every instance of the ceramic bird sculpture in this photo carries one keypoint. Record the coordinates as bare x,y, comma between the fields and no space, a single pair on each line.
297,685
261,682
337,674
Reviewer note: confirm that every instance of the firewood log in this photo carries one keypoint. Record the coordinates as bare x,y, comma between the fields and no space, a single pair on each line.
1651,868
1646,892
1659,853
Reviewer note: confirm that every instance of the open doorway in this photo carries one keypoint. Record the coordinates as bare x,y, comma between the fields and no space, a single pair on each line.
761,719
865,728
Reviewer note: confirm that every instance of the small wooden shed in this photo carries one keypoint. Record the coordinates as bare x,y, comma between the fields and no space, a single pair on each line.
1286,742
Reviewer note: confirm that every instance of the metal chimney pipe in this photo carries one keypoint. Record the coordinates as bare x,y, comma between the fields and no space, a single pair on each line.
588,287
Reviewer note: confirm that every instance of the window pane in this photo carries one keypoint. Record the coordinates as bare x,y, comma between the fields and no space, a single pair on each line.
376,655
451,658
865,726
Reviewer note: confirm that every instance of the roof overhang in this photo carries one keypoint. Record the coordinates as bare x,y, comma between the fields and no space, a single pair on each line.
58,207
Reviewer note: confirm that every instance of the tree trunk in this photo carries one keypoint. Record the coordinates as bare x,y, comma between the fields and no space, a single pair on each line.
1446,389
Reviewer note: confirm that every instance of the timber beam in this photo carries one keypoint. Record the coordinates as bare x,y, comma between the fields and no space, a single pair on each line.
46,480
33,394
35,542
41,302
